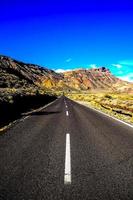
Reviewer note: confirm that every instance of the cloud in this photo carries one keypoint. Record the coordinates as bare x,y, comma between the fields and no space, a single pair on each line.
127,77
69,60
117,66
62,70
93,66
59,70
126,62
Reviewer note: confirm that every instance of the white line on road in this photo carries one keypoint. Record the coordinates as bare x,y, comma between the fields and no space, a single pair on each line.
67,114
67,175
66,106
113,117
130,125
26,117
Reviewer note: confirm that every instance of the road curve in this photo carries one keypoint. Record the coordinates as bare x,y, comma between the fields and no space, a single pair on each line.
67,151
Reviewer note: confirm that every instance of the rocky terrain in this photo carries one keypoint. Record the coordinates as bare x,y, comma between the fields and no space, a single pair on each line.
19,75
27,86
15,74
82,79
20,89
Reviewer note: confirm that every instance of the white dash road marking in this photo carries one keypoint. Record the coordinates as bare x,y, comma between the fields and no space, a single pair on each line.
67,175
67,114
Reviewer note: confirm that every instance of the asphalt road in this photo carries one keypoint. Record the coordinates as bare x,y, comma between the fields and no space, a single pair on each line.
98,156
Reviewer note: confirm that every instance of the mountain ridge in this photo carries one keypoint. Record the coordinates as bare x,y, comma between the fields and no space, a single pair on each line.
17,74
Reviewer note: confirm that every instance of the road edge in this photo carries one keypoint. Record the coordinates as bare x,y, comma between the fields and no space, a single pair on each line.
130,125
24,116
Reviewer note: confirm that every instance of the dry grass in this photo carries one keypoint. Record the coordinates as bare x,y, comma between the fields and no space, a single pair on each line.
115,104
7,94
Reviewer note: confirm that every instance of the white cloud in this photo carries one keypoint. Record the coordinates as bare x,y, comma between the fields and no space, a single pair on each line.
117,66
59,70
128,77
126,62
69,60
93,66
62,70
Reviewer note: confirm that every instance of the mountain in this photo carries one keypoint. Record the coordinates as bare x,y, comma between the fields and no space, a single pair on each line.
21,75
96,79
82,79
15,74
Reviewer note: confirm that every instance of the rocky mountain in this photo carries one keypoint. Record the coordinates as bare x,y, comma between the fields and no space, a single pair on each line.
18,74
82,79
15,74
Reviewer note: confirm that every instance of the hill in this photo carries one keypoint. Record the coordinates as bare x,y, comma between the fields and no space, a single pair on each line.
82,79
19,75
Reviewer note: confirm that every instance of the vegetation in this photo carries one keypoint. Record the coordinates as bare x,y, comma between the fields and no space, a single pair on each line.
119,105
14,102
26,86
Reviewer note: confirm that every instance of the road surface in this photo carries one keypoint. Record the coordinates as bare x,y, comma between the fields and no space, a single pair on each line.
67,151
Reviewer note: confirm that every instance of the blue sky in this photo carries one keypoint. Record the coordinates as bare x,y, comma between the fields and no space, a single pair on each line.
64,35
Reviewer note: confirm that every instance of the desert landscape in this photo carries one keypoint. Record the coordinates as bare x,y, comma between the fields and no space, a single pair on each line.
21,82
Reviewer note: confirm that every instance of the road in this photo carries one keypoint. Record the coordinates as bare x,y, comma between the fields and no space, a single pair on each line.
67,151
